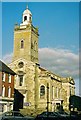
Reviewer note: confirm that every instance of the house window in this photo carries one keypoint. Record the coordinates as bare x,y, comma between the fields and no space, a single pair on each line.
20,80
25,18
9,78
9,92
3,76
42,91
22,44
3,91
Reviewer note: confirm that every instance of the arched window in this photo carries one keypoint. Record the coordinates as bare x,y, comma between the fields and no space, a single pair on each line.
20,80
22,44
25,18
42,90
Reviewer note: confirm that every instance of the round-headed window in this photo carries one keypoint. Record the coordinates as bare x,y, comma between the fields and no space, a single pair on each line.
25,18
42,90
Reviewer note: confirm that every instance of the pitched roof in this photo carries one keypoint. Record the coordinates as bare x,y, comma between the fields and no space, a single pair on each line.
5,68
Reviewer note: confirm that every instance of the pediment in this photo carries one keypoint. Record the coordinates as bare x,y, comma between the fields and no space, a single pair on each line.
21,60
16,65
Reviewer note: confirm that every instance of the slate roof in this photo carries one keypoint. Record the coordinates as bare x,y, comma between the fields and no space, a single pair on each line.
5,68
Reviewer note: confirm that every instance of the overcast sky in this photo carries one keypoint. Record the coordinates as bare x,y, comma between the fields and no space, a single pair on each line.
58,25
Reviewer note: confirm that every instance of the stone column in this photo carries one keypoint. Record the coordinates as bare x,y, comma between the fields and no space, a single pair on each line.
36,87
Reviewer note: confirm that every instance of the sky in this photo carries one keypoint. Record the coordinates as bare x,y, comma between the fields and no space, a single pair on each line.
58,24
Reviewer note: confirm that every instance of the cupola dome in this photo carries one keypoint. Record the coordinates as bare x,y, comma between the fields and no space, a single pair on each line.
27,11
27,17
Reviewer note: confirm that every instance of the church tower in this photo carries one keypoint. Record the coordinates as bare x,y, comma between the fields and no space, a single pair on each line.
26,39
25,59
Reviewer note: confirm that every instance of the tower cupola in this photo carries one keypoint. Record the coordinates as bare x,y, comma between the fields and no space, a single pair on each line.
27,17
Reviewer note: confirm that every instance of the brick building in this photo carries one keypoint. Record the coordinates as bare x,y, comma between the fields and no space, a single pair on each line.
6,87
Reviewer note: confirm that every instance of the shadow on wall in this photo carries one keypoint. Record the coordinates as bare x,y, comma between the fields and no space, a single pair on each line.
18,100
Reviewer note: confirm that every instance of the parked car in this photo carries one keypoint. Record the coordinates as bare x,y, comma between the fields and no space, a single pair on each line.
63,115
47,116
13,115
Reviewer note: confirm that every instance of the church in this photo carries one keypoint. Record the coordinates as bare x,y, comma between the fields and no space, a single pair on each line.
42,89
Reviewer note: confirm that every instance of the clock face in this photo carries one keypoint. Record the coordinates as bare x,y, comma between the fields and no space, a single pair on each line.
21,64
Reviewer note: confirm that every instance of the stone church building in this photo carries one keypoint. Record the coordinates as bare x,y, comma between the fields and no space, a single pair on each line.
41,88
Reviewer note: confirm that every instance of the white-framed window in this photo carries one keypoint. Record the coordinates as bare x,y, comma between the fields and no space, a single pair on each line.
9,91
3,76
9,78
3,91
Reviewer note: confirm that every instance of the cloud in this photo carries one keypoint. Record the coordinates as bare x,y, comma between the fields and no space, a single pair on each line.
60,61
7,58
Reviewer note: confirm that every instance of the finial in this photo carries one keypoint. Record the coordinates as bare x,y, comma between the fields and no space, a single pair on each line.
27,7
